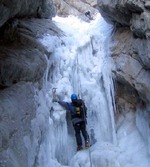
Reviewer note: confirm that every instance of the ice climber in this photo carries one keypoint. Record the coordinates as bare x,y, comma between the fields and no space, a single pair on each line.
88,14
78,113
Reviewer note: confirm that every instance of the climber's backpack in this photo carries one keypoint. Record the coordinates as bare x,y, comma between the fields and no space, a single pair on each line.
80,108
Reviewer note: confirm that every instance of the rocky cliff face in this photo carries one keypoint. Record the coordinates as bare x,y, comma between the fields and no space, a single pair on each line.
77,8
25,8
22,67
131,53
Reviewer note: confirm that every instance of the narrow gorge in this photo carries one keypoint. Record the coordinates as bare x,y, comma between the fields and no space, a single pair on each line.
46,44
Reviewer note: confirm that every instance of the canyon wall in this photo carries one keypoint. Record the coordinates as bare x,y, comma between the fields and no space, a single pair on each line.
77,8
130,51
23,62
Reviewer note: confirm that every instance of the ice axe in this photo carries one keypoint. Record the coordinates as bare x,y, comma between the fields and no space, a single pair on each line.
54,93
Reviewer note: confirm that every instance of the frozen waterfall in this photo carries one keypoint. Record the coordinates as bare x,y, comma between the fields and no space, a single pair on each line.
80,63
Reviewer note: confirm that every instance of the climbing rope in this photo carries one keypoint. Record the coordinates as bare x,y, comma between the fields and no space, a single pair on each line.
78,79
90,157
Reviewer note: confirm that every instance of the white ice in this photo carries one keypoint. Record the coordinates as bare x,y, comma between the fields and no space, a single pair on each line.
81,64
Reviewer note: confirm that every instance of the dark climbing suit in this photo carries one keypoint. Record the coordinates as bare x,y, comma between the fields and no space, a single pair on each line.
79,123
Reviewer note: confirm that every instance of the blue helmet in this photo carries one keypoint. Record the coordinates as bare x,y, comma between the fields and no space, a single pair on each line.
74,97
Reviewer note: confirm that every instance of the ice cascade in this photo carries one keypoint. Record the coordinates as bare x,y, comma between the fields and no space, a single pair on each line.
80,63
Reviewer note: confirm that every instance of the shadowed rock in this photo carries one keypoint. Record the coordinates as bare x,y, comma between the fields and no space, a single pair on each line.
25,8
22,56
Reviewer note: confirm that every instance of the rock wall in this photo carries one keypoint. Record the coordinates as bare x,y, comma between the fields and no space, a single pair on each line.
23,62
131,47
77,8
25,8
131,54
